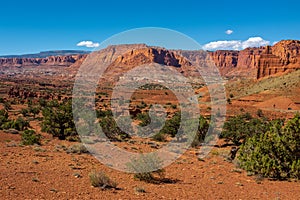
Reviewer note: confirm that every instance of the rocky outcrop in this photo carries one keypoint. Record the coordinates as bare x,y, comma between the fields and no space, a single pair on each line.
259,62
51,61
225,60
282,57
149,55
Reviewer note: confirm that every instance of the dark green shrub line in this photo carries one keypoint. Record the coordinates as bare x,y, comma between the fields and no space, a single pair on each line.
237,129
275,153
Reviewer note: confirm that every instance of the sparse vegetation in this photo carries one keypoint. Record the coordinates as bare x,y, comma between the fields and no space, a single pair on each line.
147,168
77,148
29,137
19,124
100,179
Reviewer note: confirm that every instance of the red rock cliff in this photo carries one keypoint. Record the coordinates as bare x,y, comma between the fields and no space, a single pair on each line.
51,60
259,62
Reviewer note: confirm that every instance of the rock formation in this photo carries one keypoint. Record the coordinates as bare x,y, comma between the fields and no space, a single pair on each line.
250,62
51,61
259,62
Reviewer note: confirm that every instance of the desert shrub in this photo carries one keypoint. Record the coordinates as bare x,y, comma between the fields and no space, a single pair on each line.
110,127
160,137
58,119
237,129
3,118
274,154
147,168
111,130
20,124
29,137
201,132
143,118
103,113
34,110
24,112
7,106
77,148
172,125
100,179
42,102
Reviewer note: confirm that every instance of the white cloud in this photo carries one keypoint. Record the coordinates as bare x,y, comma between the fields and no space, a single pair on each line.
225,44
236,44
229,32
89,44
275,42
255,42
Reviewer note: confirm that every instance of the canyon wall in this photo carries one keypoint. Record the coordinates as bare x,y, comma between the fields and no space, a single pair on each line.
259,62
51,61
250,62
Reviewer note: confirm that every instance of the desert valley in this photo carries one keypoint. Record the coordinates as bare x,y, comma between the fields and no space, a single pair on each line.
42,156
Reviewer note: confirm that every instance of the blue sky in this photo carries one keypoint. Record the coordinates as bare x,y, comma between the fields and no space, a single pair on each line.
33,26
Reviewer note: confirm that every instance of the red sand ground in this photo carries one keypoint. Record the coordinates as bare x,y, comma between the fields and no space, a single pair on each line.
48,172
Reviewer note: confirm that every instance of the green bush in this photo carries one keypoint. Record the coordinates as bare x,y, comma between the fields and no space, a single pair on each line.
160,137
29,137
58,119
34,110
274,154
24,112
19,124
202,131
172,125
237,129
3,118
143,118
111,130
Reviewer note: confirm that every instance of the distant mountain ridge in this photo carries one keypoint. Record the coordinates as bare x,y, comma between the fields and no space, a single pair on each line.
256,62
45,54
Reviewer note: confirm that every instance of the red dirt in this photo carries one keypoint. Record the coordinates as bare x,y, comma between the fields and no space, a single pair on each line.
48,172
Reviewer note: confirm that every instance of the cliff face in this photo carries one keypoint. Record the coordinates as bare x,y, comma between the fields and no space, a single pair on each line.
251,62
282,57
149,55
51,60
225,60
259,62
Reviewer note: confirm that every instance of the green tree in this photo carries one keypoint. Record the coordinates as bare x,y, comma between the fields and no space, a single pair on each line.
237,129
111,130
275,153
58,119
